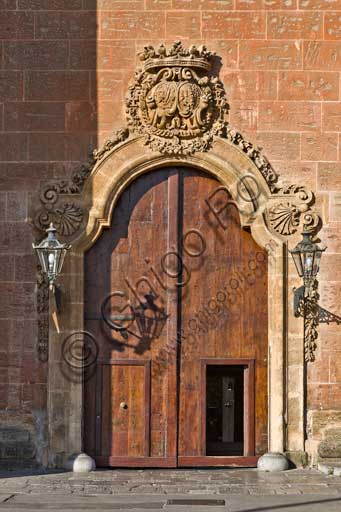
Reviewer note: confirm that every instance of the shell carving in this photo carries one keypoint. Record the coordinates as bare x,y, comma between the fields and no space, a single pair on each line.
284,218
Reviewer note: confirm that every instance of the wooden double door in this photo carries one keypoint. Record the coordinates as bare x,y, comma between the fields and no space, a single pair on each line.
176,299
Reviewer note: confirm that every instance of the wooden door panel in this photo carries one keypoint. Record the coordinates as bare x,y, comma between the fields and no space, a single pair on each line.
225,321
124,424
125,263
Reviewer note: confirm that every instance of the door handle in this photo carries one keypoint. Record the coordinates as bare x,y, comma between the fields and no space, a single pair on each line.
229,403
123,405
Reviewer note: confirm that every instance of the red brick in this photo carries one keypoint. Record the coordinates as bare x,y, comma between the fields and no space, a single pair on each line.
305,85
183,25
226,50
279,146
331,117
329,176
270,54
13,146
289,116
22,175
266,4
233,25
11,85
244,115
17,207
49,5
250,85
158,4
63,146
6,272
219,5
34,396
80,116
16,25
64,25
34,116
109,117
319,373
34,55
7,5
320,5
3,201
289,170
25,267
131,25
107,55
110,86
332,25
32,370
3,393
114,5
322,55
298,25
330,270
319,146
15,237
57,85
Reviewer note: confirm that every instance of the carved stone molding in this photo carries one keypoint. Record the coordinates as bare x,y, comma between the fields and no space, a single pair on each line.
67,216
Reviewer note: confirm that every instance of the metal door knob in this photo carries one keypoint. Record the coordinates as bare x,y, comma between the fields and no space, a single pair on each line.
123,405
228,404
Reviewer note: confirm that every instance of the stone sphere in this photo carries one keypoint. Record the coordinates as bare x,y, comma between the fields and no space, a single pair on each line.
273,461
83,464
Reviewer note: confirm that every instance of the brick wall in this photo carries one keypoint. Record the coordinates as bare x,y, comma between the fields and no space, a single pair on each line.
48,122
64,69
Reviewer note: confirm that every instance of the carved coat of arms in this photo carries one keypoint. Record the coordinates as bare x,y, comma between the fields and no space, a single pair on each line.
174,101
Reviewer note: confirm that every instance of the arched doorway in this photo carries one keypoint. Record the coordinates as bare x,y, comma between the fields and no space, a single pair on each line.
177,300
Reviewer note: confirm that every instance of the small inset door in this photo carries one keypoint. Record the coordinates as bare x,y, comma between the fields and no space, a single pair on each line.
225,410
228,423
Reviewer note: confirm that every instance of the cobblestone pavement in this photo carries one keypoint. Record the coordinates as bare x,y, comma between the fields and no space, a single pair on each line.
211,490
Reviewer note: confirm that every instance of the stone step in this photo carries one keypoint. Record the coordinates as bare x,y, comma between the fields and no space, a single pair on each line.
330,467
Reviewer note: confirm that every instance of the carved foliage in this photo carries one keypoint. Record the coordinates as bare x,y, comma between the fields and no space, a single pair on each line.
254,153
42,301
311,321
174,102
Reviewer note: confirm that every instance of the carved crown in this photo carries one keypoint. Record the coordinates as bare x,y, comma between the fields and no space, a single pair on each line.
176,56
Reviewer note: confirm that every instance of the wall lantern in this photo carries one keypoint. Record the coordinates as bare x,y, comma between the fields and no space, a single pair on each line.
51,254
307,256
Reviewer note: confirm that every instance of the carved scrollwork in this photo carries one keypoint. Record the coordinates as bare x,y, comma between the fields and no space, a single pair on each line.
293,208
68,216
174,102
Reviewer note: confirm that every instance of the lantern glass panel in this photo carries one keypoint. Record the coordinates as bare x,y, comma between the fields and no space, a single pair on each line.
317,260
298,262
308,258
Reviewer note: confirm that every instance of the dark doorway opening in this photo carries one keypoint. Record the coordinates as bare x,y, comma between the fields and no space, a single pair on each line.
224,410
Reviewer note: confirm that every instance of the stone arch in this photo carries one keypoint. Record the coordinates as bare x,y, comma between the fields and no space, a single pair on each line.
96,200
